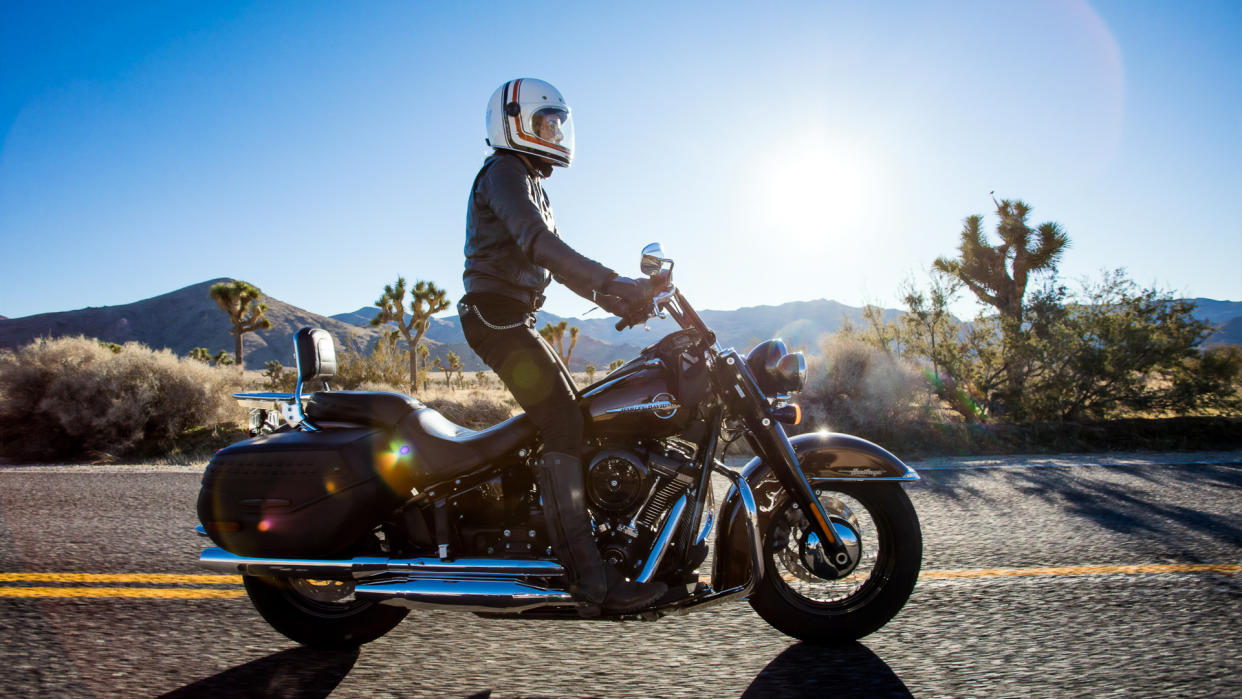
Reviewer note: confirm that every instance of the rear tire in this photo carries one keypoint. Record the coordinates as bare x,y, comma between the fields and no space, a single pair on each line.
320,614
826,612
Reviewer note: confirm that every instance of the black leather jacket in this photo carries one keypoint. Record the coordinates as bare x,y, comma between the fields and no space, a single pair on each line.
512,246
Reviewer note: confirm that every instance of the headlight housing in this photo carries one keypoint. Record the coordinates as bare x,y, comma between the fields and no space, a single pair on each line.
777,369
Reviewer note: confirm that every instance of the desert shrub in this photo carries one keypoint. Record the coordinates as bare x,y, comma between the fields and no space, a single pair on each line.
386,364
69,397
863,390
476,410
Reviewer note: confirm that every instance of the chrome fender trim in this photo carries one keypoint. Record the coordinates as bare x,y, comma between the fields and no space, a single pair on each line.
823,457
833,456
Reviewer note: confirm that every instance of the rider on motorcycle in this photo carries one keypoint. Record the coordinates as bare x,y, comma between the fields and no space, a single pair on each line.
513,250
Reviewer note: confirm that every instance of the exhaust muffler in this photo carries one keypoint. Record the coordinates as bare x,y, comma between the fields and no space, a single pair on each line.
462,595
366,566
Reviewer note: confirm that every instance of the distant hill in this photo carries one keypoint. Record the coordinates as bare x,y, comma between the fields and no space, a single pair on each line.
447,331
1229,334
182,320
361,317
186,318
799,323
1217,312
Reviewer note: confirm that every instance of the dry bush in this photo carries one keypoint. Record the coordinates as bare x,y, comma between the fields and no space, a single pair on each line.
69,397
475,410
859,389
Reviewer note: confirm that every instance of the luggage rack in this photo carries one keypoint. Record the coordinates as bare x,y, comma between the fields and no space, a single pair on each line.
315,356
268,409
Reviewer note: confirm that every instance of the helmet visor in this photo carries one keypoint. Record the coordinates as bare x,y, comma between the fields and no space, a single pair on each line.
553,126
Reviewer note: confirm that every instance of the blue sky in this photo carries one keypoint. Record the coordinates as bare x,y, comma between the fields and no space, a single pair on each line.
779,151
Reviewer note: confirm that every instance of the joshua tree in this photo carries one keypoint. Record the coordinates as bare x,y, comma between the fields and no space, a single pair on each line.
455,366
239,300
615,364
998,275
440,365
590,372
555,335
426,300
422,373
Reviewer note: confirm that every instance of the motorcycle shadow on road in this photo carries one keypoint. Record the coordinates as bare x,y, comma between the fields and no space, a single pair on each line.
297,672
849,670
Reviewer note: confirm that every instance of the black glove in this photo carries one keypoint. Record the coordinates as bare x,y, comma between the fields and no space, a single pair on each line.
623,296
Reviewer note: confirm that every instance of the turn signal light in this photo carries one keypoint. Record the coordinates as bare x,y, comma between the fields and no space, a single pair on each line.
789,413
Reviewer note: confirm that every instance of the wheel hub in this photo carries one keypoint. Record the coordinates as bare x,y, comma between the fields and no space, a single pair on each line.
325,591
812,554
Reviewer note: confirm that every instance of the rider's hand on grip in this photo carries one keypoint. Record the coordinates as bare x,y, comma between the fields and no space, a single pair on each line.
615,305
632,292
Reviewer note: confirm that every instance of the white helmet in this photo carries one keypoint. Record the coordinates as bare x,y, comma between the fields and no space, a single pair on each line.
530,116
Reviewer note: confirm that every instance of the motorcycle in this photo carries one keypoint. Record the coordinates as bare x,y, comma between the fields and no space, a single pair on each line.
352,508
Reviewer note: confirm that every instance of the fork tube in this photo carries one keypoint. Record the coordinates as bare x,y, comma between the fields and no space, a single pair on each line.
707,452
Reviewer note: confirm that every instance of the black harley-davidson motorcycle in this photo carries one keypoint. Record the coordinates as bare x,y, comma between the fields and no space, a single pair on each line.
354,507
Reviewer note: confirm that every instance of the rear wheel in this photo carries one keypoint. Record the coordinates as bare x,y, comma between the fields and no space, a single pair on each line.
320,613
881,531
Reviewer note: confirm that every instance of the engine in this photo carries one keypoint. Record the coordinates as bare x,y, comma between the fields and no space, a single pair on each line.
630,490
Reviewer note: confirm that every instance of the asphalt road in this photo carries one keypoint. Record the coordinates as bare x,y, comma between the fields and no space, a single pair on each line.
1068,580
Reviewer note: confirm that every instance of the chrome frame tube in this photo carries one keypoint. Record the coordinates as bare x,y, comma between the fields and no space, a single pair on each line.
709,520
661,543
363,567
750,514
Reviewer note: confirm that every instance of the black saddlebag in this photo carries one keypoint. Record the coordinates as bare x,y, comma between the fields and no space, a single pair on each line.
301,494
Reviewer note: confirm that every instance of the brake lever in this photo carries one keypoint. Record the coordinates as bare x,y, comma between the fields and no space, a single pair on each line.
657,310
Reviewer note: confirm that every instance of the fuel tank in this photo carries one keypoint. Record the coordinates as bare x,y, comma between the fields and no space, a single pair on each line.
637,398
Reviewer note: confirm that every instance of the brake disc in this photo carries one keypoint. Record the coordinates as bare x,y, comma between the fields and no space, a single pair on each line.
809,562
325,591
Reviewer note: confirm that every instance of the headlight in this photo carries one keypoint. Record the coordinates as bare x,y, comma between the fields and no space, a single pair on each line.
776,368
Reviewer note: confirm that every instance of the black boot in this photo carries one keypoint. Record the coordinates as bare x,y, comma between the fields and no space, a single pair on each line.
625,596
569,529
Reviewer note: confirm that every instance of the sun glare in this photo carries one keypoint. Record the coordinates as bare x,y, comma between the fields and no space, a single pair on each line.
813,189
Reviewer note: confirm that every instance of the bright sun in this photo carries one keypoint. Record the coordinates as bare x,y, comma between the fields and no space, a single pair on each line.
813,189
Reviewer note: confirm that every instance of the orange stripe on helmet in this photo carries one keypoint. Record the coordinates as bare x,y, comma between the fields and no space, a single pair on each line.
522,133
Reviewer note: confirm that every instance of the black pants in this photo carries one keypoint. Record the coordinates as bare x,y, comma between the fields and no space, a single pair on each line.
508,342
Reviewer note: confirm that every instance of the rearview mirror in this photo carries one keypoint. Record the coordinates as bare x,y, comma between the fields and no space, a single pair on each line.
653,259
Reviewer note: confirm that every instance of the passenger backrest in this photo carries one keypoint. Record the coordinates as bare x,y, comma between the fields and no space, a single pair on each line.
316,354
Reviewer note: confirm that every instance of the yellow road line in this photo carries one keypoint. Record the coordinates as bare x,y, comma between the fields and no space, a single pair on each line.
1081,570
164,578
234,580
130,592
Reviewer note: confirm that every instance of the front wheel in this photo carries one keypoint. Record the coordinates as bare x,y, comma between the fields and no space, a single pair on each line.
882,534
320,613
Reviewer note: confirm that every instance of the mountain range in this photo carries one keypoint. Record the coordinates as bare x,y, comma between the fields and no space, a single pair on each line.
187,318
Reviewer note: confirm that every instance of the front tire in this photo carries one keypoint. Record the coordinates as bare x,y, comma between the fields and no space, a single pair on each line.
320,613
801,604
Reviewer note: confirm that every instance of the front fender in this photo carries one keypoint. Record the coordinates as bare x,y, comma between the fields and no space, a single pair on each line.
823,456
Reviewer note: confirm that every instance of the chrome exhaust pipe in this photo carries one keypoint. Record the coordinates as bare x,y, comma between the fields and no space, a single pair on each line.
222,561
462,595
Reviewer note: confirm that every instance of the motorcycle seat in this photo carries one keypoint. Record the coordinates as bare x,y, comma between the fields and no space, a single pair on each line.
446,450
442,448
373,408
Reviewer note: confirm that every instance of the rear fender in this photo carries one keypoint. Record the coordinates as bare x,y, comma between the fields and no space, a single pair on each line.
823,456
